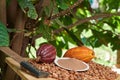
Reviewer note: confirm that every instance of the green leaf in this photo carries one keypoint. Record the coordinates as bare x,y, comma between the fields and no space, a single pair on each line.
48,9
74,37
62,4
67,20
115,42
28,8
97,38
45,31
4,37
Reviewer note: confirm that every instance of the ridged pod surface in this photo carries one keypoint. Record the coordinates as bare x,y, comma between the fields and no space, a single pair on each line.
46,53
82,53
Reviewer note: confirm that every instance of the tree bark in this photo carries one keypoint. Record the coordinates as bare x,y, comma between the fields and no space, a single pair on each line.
118,59
3,20
17,40
3,11
11,12
16,43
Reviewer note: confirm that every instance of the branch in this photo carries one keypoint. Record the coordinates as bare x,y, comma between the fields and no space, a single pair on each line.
81,21
97,16
67,11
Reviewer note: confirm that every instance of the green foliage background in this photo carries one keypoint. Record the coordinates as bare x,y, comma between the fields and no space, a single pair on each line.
102,22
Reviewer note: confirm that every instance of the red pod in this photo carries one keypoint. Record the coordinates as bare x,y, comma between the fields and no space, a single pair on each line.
46,53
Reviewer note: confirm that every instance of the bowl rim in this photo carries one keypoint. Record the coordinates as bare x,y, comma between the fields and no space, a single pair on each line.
55,61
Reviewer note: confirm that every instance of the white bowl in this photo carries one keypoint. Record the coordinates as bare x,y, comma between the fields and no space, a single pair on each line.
83,63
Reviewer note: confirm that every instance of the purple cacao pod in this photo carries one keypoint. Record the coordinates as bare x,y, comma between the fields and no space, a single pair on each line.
46,53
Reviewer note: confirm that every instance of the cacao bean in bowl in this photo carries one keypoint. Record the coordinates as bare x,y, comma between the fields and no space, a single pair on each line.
71,64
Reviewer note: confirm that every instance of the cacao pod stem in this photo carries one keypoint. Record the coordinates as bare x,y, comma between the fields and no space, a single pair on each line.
38,59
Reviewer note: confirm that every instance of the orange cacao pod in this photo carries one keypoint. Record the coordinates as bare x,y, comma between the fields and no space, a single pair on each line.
82,53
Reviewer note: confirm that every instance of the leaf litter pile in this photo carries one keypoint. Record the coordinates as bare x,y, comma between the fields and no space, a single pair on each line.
95,72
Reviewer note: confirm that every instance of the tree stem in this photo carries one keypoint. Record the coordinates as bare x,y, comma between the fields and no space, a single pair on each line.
3,11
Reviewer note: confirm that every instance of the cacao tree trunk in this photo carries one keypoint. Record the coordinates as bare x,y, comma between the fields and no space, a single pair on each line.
118,59
3,20
12,13
17,40
3,11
